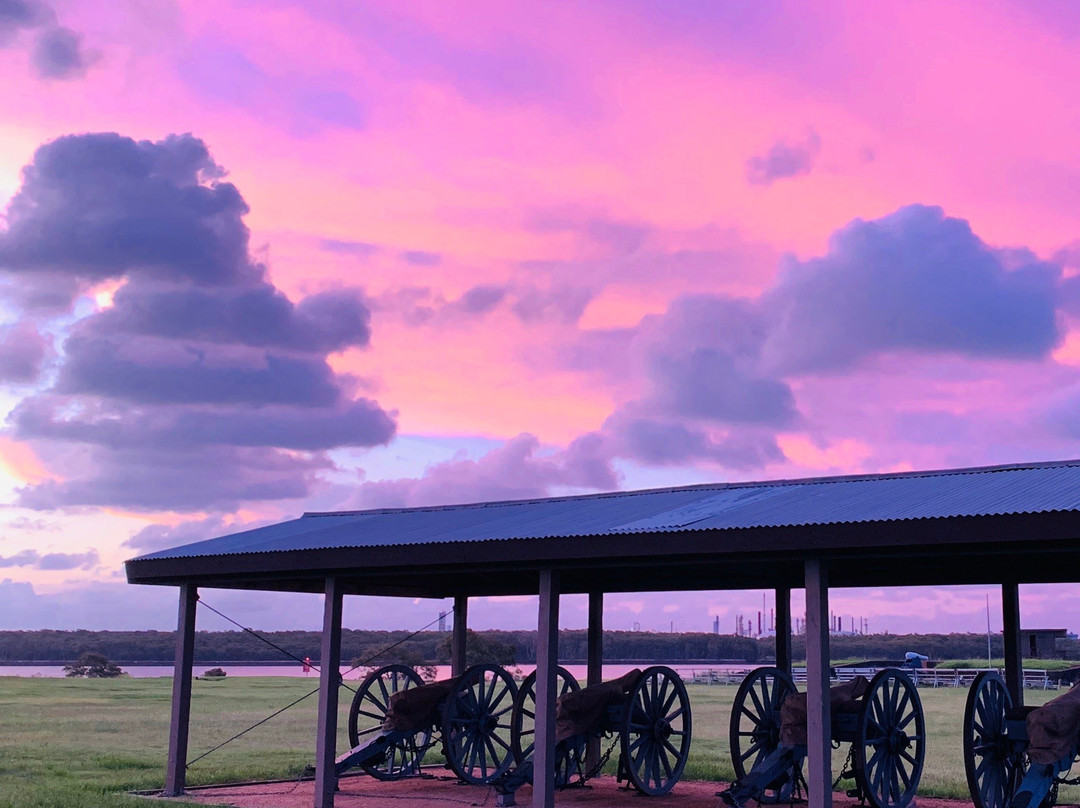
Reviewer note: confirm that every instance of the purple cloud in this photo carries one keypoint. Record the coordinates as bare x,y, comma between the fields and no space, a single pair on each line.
219,72
200,367
784,160
58,54
22,352
51,561
914,280
421,258
516,470
357,249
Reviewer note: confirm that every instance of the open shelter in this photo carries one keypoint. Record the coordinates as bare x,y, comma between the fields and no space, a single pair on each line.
1002,525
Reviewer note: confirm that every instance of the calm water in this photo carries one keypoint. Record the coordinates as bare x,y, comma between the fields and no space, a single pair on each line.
144,671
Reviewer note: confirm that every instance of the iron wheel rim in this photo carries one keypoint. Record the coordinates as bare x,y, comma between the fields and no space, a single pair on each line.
891,745
367,712
755,717
476,724
655,737
523,720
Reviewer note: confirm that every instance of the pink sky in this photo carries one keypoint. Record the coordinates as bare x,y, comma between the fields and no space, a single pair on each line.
573,246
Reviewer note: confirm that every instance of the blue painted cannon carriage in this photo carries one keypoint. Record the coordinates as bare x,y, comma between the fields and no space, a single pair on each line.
395,719
1016,757
882,719
648,711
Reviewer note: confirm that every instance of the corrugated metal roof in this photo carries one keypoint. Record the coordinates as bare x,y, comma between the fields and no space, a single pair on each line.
779,503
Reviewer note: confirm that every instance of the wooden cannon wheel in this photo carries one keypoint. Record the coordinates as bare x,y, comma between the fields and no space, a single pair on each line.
994,764
476,724
891,742
655,736
755,717
369,708
523,720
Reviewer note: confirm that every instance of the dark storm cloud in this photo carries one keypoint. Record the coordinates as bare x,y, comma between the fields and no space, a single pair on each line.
256,315
178,372
516,470
783,160
663,443
201,381
51,561
101,206
22,352
16,15
58,54
702,360
913,280
360,422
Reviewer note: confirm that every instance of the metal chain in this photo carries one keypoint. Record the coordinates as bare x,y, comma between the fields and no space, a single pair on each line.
595,770
848,769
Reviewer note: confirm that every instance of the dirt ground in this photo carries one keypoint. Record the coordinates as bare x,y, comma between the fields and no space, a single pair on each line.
364,792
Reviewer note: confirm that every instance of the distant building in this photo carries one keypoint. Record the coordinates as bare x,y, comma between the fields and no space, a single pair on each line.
1042,643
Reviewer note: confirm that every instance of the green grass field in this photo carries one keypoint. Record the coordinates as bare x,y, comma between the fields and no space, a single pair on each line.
77,743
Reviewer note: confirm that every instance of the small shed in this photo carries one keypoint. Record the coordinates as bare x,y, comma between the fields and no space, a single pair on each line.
1001,525
1042,643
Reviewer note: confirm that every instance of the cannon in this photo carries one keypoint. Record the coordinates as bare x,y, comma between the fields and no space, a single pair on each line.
882,719
648,710
1014,756
395,718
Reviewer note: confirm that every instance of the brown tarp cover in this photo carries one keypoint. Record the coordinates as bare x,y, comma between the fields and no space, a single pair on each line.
580,712
842,698
414,709
1054,728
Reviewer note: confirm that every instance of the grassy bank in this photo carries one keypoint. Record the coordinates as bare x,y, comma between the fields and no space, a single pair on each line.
76,743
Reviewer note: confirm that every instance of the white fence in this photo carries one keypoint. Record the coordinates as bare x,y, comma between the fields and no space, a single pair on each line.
923,677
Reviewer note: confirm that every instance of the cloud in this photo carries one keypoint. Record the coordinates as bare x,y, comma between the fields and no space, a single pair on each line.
160,537
357,249
219,72
420,305
783,160
58,54
51,561
660,442
22,352
16,15
914,280
712,377
421,258
516,470
200,367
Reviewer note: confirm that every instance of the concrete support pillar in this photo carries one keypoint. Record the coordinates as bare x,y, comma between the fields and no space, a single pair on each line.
457,642
1014,652
818,724
176,771
595,661
783,628
329,682
547,660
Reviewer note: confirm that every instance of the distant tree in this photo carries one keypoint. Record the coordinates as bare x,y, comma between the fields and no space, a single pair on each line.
401,655
215,673
93,666
483,648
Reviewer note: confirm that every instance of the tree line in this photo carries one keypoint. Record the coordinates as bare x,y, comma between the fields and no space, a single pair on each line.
433,647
